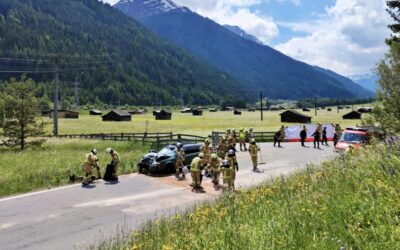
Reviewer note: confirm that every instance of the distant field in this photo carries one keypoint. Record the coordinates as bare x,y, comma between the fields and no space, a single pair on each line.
196,125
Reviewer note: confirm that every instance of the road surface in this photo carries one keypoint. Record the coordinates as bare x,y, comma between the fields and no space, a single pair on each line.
74,217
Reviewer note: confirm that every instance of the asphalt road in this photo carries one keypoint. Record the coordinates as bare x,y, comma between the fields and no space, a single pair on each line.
74,217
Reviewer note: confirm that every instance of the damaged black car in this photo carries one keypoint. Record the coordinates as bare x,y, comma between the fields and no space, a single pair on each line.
163,162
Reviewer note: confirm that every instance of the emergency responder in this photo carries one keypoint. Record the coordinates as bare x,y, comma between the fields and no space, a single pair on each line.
91,162
210,139
254,149
222,148
242,139
335,139
277,138
206,149
283,135
234,138
231,157
227,173
303,136
317,137
251,134
227,134
180,160
324,137
215,168
195,169
338,130
115,161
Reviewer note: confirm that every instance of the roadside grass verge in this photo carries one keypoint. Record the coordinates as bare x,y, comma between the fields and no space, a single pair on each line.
37,168
352,202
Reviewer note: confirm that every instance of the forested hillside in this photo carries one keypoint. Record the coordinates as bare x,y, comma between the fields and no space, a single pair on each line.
114,57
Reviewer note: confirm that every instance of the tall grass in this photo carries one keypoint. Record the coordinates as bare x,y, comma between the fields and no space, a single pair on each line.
38,168
349,203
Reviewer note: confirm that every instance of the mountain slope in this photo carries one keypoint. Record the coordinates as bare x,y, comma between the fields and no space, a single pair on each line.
140,66
256,66
347,83
238,31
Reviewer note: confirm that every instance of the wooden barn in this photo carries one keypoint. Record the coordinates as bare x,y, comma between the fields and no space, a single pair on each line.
364,110
214,110
306,110
186,110
65,114
353,115
294,117
95,112
162,115
197,112
137,112
237,112
117,116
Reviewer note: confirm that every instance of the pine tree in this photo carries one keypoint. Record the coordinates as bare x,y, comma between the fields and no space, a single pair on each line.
387,108
21,125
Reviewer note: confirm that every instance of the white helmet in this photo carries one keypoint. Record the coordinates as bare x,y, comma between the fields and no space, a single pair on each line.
109,150
94,151
201,155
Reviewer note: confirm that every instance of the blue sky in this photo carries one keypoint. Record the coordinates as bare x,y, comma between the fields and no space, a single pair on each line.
346,36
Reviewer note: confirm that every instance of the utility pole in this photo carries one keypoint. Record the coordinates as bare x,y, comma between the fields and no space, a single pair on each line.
76,93
315,105
337,104
57,60
261,106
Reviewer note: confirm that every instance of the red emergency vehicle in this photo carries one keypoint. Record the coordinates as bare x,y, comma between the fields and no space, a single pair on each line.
355,137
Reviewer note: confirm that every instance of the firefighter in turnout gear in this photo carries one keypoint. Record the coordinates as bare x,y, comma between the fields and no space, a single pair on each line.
222,148
180,160
206,149
254,149
242,139
231,157
215,169
195,169
115,161
91,162
228,176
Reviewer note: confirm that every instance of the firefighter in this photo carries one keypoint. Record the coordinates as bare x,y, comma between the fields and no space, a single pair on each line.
335,139
234,138
228,179
303,136
242,139
277,138
231,157
206,149
180,160
227,134
338,130
250,134
210,139
324,137
254,149
195,169
222,148
215,168
317,137
282,132
115,161
91,162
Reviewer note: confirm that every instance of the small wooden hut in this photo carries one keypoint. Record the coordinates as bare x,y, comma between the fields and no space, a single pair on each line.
353,115
65,114
237,112
95,112
163,115
197,112
294,117
117,116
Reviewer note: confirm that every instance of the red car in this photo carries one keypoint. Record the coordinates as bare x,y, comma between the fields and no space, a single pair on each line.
356,137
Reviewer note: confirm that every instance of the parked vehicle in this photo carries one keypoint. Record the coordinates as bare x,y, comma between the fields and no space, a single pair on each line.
356,137
164,160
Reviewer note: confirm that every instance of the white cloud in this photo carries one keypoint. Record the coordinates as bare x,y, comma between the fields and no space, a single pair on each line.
349,40
236,12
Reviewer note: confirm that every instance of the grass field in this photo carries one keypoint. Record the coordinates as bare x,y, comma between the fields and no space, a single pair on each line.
188,124
35,169
349,203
